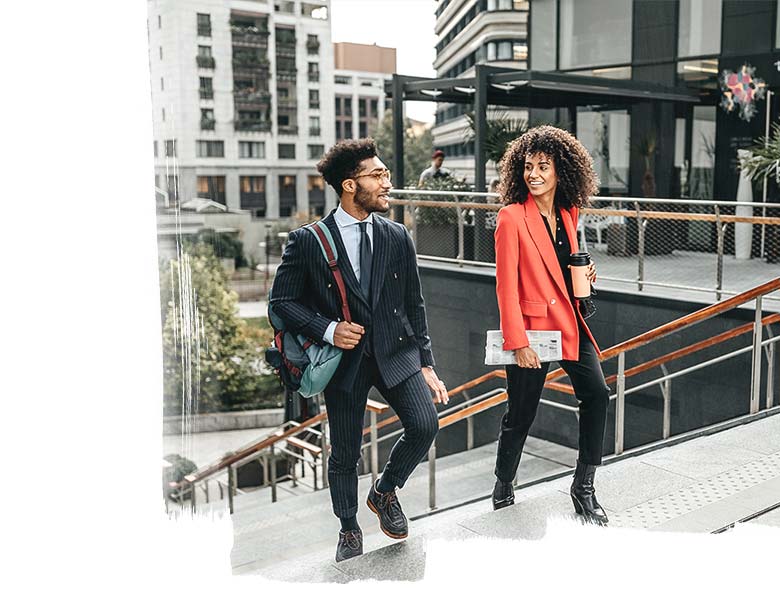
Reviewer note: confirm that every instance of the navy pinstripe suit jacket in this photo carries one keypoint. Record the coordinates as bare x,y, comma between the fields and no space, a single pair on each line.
306,296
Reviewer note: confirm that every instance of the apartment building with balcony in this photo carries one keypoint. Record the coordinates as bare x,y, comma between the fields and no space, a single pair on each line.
240,92
470,32
359,84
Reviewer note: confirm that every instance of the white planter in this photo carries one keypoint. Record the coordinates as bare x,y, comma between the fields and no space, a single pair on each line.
743,232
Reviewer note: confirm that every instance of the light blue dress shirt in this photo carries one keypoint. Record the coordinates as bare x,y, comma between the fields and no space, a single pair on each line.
350,235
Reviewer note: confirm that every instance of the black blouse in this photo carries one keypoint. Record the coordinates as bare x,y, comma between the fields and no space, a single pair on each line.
562,250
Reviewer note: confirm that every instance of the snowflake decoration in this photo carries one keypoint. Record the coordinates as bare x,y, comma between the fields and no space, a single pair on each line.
741,90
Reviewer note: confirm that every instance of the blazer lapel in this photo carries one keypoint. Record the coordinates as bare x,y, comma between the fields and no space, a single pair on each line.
343,261
379,256
541,239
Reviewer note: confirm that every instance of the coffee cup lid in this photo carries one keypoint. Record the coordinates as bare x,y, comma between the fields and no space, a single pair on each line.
579,259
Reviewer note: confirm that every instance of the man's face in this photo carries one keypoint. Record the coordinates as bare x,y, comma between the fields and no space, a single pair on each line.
373,186
437,162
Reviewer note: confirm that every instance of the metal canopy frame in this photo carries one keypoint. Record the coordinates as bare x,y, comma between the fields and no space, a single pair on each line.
500,86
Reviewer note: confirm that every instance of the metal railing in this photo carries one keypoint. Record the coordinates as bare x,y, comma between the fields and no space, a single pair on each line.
691,245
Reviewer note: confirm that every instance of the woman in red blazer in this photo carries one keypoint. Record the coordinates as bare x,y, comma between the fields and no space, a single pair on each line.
546,176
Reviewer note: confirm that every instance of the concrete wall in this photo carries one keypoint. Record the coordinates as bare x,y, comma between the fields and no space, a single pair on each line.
461,306
248,419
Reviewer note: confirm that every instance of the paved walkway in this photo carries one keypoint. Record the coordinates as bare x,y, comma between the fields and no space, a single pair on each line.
701,485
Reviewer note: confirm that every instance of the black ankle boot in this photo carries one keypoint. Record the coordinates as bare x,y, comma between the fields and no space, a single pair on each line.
503,495
584,496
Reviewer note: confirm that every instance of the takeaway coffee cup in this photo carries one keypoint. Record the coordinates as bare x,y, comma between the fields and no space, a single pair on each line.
579,262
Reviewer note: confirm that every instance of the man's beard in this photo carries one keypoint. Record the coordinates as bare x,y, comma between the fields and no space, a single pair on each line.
364,200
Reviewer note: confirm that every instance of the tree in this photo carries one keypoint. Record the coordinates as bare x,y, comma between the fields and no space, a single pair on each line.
501,130
211,361
417,149
764,160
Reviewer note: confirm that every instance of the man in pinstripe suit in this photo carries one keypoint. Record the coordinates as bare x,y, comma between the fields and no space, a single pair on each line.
386,345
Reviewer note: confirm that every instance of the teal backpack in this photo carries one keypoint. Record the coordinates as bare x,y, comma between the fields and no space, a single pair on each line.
305,365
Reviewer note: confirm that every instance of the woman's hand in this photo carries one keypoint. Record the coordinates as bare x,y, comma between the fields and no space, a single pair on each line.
591,273
527,358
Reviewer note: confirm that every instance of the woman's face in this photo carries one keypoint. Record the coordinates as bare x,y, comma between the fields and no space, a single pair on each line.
540,174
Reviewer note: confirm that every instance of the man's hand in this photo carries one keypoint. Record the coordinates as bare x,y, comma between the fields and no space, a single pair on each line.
347,335
436,385
527,358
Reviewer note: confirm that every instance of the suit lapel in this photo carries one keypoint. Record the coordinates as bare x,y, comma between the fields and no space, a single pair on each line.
343,261
541,239
379,251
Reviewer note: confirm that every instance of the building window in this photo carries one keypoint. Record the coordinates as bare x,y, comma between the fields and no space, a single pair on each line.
162,84
172,185
606,135
316,188
348,129
251,149
312,44
700,24
204,25
204,58
361,107
210,149
155,148
212,187
595,33
161,53
285,6
159,21
252,189
314,98
316,151
374,108
286,150
315,11
544,32
314,126
283,120
342,80
206,88
170,148
287,198
362,129
314,71
207,121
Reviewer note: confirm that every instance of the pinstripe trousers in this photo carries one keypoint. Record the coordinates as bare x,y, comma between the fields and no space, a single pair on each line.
411,401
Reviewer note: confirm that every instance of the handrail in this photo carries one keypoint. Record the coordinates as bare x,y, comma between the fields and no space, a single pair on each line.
228,461
682,323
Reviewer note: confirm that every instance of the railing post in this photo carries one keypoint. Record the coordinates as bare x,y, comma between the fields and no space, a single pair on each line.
640,228
620,405
469,433
459,211
231,480
720,230
374,449
206,490
770,375
414,222
272,463
324,455
193,491
432,476
755,381
666,390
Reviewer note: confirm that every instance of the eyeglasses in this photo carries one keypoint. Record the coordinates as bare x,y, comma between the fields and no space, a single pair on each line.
378,175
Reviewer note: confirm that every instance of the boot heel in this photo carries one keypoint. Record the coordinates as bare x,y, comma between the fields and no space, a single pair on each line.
577,505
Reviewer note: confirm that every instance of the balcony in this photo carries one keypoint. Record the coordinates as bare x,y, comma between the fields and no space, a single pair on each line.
314,77
206,94
251,98
314,132
314,105
286,74
207,124
249,36
313,47
288,129
287,104
252,125
250,63
206,62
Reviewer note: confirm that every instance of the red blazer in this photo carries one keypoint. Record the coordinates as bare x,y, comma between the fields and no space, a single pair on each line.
529,284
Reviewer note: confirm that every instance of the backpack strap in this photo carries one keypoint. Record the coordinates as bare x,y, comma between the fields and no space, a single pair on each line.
325,240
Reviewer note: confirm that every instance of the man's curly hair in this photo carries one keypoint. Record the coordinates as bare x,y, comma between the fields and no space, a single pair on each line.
573,166
343,161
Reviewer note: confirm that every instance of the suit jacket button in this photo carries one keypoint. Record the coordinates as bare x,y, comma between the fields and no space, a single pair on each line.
552,301
328,285
395,311
400,339
395,275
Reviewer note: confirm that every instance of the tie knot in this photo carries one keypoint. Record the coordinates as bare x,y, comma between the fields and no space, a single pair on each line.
362,226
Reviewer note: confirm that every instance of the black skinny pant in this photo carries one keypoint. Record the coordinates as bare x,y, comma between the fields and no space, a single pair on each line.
411,401
524,388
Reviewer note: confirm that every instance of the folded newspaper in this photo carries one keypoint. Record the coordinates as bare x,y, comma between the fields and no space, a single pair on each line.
547,344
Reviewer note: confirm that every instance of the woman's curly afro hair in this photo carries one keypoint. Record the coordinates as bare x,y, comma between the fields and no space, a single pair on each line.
343,161
573,166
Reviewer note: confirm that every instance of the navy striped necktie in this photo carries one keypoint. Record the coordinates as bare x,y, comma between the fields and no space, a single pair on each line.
365,261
